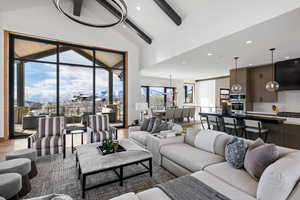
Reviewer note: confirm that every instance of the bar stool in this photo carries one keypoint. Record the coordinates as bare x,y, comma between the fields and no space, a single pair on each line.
253,126
214,122
232,125
203,120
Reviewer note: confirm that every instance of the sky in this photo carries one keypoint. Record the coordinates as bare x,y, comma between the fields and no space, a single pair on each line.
40,80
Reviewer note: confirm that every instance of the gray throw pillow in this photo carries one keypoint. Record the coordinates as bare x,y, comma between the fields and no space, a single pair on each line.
235,152
156,126
150,125
164,126
145,124
259,156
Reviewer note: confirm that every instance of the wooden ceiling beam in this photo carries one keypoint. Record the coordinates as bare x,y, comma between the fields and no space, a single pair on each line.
132,25
174,16
77,5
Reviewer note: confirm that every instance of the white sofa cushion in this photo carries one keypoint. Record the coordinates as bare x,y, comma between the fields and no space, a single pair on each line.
153,193
279,179
221,186
140,136
205,140
295,195
189,157
128,196
237,178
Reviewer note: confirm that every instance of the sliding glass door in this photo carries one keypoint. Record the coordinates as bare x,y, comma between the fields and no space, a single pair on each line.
49,78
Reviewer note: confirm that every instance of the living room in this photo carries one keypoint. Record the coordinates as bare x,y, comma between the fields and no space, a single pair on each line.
141,100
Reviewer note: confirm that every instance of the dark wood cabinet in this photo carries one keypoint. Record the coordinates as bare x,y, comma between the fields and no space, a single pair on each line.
243,78
254,80
259,76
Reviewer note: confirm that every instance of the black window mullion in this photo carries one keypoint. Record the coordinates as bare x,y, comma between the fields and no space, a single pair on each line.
94,82
165,97
57,80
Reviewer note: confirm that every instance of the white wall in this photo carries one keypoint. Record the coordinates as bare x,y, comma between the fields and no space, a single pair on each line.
206,95
45,21
288,101
162,82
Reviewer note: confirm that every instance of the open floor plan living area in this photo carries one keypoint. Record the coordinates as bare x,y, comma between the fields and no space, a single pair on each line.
149,100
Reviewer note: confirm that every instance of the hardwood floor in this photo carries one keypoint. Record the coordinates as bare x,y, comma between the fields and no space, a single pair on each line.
16,144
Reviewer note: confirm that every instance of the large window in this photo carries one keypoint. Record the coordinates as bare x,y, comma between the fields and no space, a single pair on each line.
51,78
189,93
158,97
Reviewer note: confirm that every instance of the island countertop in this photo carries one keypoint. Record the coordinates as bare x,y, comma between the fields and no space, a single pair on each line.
263,118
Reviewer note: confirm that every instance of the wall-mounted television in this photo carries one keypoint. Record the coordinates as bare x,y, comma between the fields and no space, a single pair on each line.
287,74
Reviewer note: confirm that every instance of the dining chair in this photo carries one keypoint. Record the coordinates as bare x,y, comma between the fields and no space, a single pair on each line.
192,112
178,114
169,114
185,113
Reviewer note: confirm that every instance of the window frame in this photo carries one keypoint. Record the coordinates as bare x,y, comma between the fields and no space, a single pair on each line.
12,37
186,92
165,96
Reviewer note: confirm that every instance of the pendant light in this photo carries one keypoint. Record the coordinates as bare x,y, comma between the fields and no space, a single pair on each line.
236,87
272,86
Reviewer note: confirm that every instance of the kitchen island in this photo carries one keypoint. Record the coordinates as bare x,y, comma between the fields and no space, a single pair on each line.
263,118
281,133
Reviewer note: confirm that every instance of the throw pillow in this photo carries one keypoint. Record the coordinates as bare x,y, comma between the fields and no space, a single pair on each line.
150,125
258,157
145,124
156,126
235,152
164,126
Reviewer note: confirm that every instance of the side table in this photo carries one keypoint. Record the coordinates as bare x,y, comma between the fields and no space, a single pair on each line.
154,144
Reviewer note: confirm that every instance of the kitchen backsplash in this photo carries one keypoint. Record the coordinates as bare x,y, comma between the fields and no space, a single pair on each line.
288,101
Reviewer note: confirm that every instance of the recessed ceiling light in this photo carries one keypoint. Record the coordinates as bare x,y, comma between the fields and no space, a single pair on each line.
124,26
249,42
250,64
210,54
138,8
287,57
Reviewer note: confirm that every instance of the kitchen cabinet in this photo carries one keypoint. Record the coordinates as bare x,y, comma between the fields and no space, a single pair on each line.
259,76
243,78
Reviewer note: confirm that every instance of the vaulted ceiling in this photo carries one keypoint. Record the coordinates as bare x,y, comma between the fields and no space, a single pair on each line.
208,26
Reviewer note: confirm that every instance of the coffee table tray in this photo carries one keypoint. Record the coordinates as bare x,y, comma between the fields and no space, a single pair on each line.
104,151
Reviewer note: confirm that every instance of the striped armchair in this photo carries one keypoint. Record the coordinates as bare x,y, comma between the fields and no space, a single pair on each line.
50,137
99,129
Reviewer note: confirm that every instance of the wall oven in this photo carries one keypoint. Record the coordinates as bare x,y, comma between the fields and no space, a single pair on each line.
238,103
238,107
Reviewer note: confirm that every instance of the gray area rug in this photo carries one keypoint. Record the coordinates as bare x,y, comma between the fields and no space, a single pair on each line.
58,175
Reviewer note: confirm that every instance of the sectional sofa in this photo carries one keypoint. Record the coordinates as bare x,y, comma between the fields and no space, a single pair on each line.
140,137
279,181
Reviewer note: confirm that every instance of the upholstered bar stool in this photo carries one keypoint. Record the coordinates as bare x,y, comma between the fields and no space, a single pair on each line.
20,166
231,125
10,186
31,154
256,127
213,121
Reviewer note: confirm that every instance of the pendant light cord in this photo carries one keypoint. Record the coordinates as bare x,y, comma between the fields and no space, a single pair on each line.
272,57
236,70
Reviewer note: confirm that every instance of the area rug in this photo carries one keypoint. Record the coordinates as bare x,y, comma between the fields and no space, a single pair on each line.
58,175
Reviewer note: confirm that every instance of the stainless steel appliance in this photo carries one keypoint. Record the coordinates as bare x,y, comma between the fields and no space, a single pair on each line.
238,103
